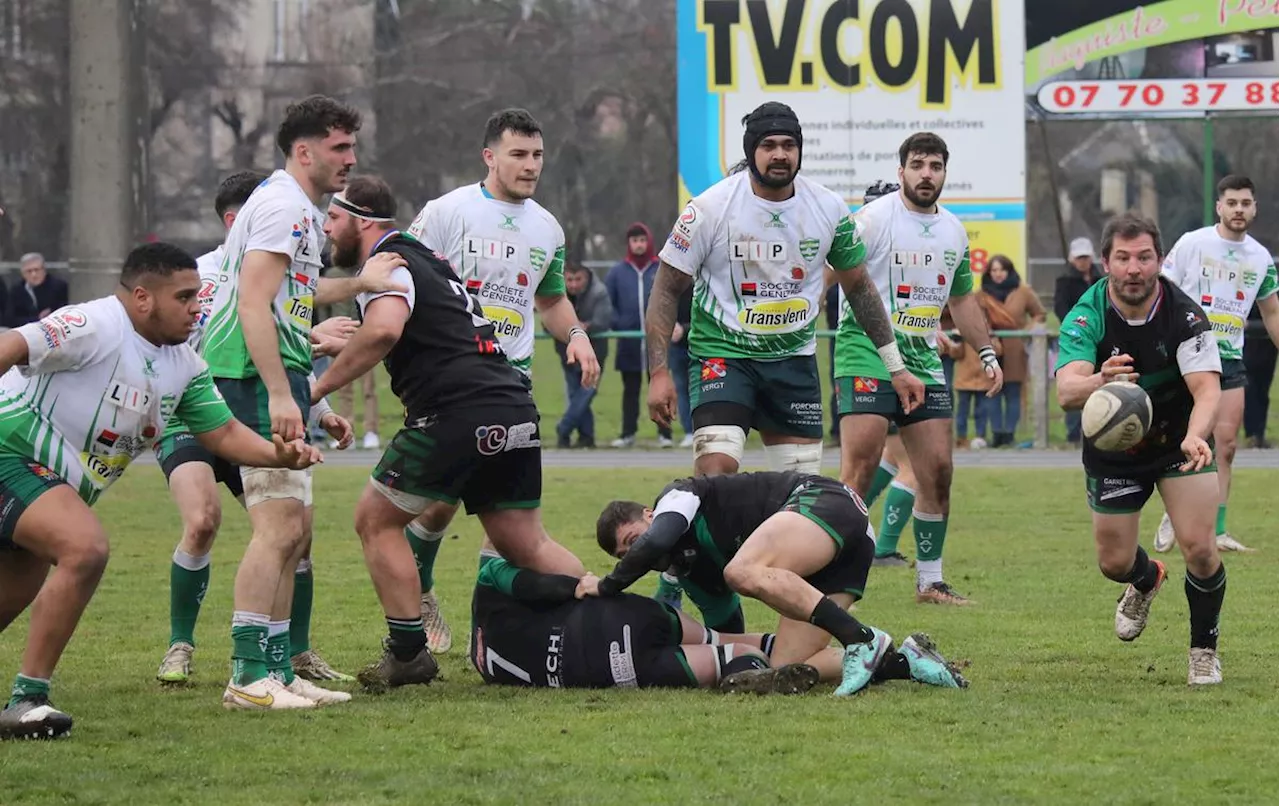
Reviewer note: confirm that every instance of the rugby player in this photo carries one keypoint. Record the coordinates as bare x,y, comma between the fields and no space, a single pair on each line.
193,475
754,247
800,543
1139,326
529,629
470,433
258,345
509,251
62,447
1225,270
917,255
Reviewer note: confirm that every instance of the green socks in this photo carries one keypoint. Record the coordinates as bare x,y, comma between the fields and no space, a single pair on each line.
277,653
897,511
188,583
425,545
24,687
300,614
884,474
1220,528
248,647
931,533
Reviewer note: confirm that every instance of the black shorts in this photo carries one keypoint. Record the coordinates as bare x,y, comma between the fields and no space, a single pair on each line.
1122,494
875,396
843,516
490,458
1233,374
625,641
178,449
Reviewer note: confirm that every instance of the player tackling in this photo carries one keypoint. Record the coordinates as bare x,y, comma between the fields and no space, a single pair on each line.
1140,327
1225,270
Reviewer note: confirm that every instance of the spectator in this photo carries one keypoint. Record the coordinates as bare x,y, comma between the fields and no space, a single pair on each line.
972,383
39,293
1260,368
346,404
591,304
678,361
1009,297
629,284
1070,287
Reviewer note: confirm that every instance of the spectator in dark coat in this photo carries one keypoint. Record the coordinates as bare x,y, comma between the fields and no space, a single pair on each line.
629,284
38,293
591,304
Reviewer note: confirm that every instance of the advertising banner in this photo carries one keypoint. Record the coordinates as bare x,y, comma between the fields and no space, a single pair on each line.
863,75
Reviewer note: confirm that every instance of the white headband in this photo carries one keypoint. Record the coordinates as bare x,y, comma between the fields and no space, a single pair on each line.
359,212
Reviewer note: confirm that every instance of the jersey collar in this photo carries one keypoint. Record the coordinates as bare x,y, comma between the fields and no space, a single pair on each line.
1155,306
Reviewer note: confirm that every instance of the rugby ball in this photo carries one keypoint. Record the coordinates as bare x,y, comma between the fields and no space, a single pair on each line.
1116,417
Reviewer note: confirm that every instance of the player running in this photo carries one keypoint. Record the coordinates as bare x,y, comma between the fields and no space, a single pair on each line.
470,433
509,252
799,543
193,475
1140,327
528,629
84,391
917,254
1225,270
258,345
754,247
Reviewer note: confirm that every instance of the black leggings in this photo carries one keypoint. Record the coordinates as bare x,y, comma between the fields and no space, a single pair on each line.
631,406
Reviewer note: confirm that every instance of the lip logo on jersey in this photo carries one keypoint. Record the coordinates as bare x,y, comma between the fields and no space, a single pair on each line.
507,323
758,252
713,369
128,397
809,248
866,385
775,316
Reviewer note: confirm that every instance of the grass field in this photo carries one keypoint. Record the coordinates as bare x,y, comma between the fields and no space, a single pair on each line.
548,388
1059,709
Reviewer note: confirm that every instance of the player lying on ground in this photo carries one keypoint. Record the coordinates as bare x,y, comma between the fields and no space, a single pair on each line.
61,448
528,629
470,433
798,543
1140,327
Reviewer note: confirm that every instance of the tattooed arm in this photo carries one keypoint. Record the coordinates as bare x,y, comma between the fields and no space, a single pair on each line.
659,320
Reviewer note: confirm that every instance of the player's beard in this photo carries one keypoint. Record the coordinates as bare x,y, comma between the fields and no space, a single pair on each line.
771,180
158,326
345,253
1238,226
1120,288
920,201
